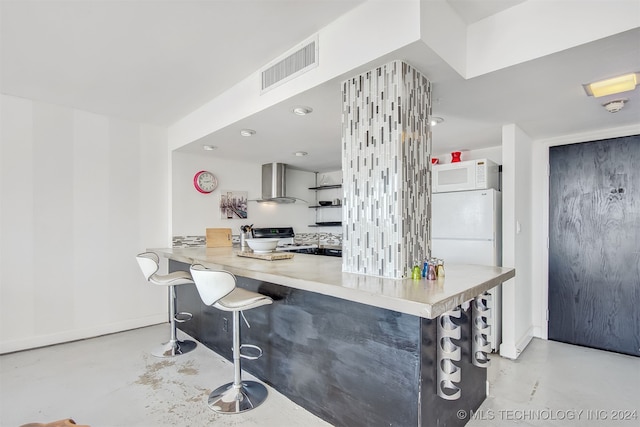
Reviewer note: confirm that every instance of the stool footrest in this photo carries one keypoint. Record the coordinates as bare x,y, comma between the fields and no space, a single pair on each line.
183,316
251,346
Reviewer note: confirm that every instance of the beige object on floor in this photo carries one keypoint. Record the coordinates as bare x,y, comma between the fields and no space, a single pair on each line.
61,423
218,237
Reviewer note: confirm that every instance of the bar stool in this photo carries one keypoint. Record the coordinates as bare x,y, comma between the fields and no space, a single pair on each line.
218,289
149,263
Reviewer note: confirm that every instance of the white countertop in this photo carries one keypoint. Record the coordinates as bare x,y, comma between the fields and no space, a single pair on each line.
322,274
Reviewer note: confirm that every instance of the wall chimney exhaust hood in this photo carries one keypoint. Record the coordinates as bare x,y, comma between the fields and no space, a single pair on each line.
274,189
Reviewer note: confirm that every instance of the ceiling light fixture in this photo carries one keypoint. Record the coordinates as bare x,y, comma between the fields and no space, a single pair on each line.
247,132
301,110
209,147
612,86
300,153
435,121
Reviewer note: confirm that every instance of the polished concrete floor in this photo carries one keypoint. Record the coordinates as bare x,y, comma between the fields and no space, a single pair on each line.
113,381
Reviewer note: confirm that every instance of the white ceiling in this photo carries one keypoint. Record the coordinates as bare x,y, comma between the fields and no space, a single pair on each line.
156,61
474,10
151,61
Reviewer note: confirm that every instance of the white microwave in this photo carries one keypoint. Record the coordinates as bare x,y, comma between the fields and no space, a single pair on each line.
477,174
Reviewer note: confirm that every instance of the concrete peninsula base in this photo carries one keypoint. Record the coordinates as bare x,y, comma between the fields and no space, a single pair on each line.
349,363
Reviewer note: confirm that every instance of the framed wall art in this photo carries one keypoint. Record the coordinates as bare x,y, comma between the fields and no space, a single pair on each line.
233,204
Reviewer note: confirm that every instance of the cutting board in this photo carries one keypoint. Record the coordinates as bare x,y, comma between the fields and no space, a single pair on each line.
268,257
218,237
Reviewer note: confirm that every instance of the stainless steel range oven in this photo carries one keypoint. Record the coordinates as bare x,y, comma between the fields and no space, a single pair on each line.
288,243
330,252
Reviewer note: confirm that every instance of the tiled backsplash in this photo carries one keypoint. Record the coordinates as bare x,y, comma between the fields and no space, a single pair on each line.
188,241
322,239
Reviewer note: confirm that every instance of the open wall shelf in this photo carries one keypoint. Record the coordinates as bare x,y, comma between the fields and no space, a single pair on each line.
320,223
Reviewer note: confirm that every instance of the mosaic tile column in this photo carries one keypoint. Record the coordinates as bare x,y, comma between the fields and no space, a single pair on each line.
386,156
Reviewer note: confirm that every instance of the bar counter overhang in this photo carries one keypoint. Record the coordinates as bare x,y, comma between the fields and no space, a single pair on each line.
355,350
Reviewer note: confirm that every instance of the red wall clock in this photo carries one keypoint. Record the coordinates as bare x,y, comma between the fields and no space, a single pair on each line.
205,182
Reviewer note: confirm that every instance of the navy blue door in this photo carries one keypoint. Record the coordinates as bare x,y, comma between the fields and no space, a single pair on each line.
594,244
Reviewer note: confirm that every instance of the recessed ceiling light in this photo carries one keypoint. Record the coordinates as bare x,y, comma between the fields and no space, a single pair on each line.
247,132
612,86
435,121
302,110
300,153
209,147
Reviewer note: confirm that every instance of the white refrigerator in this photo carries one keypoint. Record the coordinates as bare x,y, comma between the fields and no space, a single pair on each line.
466,228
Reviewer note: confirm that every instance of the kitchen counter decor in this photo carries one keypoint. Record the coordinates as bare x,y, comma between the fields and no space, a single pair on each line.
268,257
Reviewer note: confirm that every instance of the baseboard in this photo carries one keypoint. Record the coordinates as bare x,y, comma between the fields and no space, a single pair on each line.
79,334
525,340
539,332
511,350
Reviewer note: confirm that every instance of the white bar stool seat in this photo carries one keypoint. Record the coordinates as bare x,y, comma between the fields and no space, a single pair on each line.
149,263
218,289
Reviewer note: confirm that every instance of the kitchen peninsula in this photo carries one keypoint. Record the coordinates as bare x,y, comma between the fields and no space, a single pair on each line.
352,349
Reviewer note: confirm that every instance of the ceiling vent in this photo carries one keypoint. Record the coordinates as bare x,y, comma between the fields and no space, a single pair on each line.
296,61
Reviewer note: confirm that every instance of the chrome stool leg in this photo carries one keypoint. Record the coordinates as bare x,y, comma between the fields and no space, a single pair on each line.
174,347
238,396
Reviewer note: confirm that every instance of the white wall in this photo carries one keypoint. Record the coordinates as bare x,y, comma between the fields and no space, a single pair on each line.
444,31
517,323
193,212
536,28
520,33
81,195
492,153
